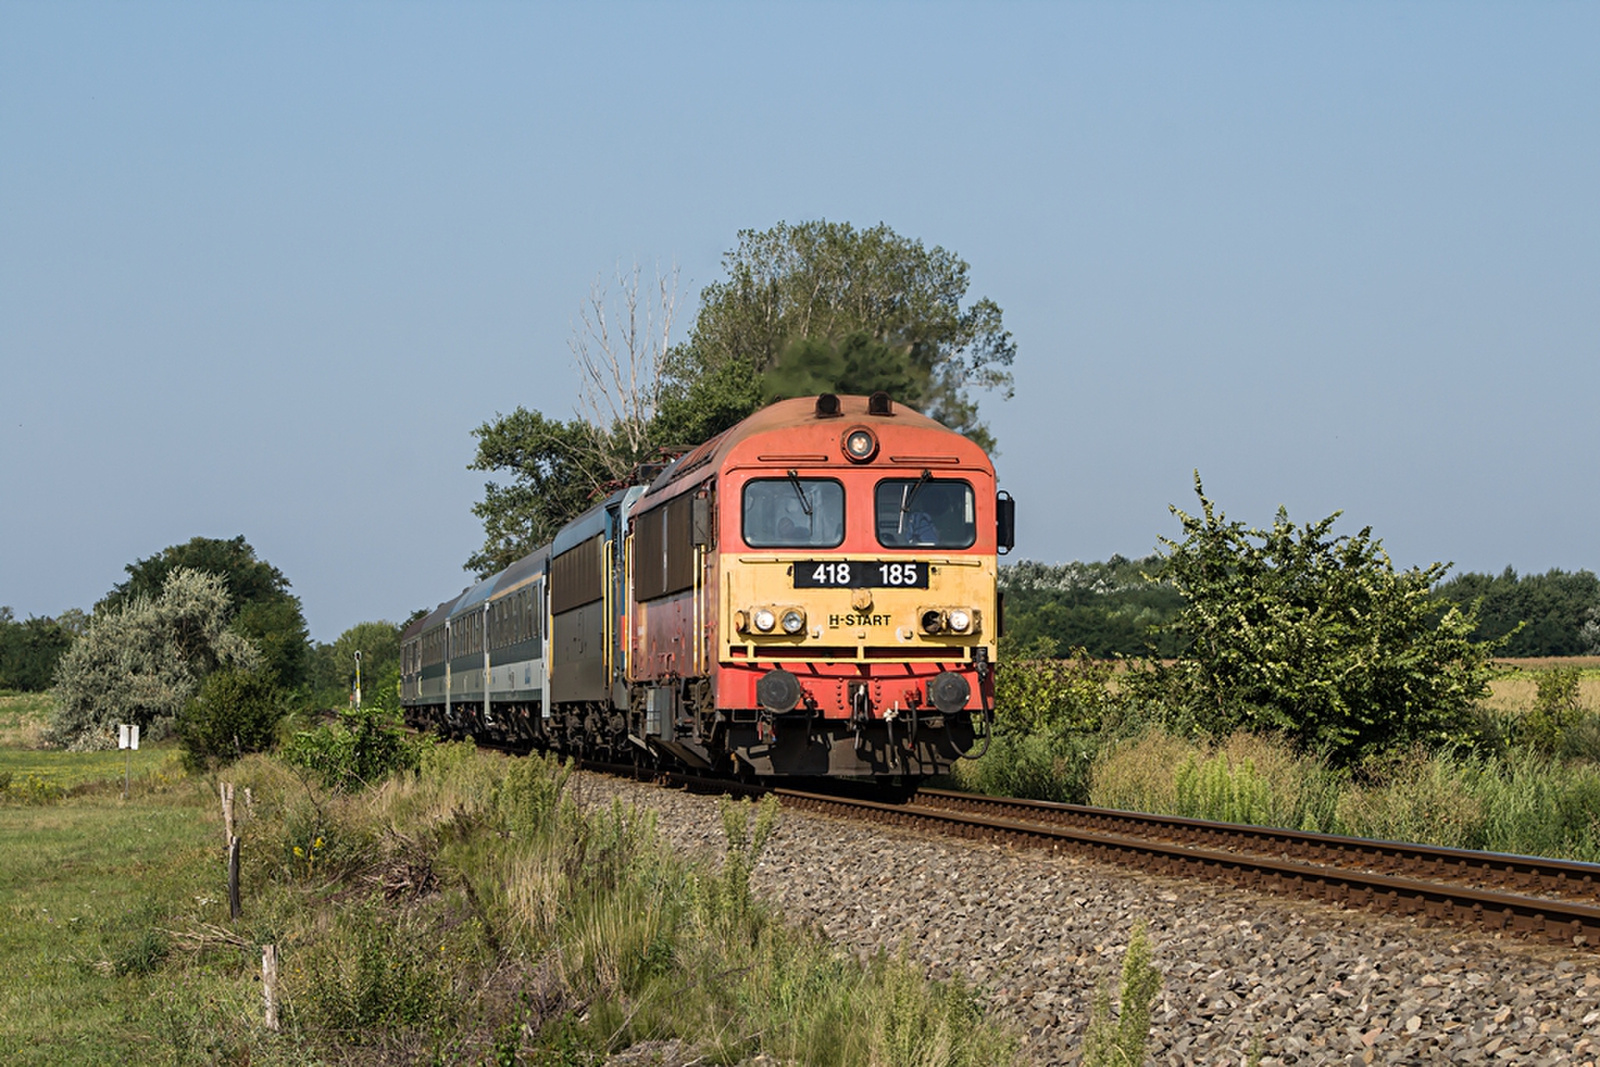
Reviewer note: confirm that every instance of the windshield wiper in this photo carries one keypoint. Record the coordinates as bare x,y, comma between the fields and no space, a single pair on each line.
907,495
794,480
912,491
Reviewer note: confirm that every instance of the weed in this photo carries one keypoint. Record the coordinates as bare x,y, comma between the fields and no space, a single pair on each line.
31,789
144,954
1121,1041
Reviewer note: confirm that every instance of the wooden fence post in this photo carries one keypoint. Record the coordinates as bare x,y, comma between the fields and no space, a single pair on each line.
269,982
226,788
233,880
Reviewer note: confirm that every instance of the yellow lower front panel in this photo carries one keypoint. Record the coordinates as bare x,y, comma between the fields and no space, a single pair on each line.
861,622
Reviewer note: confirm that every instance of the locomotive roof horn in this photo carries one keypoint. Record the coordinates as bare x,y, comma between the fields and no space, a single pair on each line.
828,406
880,404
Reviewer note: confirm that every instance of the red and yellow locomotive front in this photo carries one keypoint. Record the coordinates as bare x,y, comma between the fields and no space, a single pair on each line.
843,618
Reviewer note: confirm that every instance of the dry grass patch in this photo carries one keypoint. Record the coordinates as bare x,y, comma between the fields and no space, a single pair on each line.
1515,690
22,719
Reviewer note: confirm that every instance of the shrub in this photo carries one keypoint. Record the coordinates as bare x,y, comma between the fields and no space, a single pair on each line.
1034,692
374,970
1296,631
366,745
235,713
1556,709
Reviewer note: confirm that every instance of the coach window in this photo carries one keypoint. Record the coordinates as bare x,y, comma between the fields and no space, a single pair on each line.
793,512
926,511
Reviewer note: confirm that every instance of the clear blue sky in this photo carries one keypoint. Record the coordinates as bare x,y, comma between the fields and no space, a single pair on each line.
264,267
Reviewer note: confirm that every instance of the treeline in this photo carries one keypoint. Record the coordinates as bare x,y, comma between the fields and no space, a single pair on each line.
29,650
195,627
1122,607
1551,614
1117,608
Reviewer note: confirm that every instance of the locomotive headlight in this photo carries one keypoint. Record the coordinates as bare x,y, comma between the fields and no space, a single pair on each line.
932,621
765,620
959,620
794,620
860,445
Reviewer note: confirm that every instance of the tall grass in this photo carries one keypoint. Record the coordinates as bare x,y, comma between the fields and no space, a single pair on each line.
1521,802
486,909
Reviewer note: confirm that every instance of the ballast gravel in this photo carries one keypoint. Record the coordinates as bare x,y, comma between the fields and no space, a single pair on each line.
1245,976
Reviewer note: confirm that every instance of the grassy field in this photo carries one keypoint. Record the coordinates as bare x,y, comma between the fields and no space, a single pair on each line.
474,912
22,755
88,889
89,884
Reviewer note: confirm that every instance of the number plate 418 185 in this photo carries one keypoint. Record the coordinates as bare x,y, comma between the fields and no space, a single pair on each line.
860,574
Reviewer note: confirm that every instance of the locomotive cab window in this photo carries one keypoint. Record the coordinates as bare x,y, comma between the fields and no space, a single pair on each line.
926,511
793,512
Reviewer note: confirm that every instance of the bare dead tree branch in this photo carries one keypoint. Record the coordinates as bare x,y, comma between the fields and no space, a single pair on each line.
620,344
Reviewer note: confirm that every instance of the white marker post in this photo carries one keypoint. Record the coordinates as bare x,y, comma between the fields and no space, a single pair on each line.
127,738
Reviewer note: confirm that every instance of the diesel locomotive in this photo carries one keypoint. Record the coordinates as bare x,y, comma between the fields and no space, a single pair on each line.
812,592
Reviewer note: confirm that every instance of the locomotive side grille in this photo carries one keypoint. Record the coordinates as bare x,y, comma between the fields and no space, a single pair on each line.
575,577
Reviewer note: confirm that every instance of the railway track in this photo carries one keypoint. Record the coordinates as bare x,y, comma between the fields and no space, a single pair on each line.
1548,900
1539,899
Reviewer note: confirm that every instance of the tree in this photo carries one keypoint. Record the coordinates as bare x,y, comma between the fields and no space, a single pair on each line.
1113,608
857,364
817,307
1535,614
1317,637
620,349
141,661
234,713
556,469
333,666
261,608
826,281
30,650
556,472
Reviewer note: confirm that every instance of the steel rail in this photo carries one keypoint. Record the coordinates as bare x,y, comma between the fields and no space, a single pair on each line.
1566,879
1560,921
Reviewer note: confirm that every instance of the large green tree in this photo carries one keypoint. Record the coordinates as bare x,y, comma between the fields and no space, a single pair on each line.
334,666
826,281
1315,636
260,606
555,470
141,660
807,308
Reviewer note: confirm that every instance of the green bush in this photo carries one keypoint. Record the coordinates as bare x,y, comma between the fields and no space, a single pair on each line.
1556,710
1296,631
364,746
235,713
373,973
